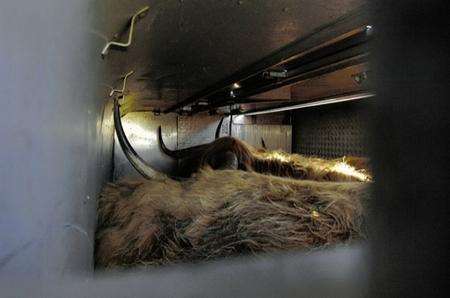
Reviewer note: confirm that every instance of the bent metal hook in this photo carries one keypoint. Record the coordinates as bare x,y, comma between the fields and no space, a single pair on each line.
141,13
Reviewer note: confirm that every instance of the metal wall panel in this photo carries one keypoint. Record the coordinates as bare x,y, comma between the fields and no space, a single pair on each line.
339,272
182,131
199,129
178,132
56,132
276,137
332,131
141,130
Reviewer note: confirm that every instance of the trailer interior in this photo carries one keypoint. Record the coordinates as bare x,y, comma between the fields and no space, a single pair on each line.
87,84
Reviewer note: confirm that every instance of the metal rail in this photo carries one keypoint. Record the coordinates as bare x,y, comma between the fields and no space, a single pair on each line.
314,103
284,56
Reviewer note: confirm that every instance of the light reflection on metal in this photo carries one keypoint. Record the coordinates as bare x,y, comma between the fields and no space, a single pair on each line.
121,91
313,104
139,135
137,161
140,14
140,129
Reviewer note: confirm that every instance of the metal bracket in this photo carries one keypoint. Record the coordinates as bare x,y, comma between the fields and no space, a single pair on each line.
123,86
140,14
359,78
270,74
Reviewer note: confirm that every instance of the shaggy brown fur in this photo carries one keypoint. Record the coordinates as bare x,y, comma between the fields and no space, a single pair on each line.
222,213
277,163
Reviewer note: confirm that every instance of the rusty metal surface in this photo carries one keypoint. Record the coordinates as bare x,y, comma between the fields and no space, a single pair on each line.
141,131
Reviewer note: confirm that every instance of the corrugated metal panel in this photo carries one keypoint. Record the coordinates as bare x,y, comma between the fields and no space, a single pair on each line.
275,136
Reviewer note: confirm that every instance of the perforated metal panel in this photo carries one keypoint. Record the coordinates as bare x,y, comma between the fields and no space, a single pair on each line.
331,131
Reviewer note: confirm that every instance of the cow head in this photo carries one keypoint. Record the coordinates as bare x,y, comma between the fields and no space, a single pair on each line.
228,160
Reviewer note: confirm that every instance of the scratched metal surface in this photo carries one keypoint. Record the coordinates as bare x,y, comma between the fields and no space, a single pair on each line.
182,131
276,137
199,129
178,132
141,130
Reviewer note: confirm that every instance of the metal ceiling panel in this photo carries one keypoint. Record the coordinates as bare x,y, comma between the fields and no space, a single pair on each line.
181,47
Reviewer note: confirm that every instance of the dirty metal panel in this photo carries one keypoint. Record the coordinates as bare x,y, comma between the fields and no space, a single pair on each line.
343,81
276,137
199,129
272,118
141,130
181,47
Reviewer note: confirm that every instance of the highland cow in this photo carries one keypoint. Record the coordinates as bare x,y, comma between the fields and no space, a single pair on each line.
229,151
221,214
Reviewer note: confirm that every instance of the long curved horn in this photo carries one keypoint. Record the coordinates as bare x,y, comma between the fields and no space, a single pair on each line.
263,144
219,128
172,153
180,153
136,161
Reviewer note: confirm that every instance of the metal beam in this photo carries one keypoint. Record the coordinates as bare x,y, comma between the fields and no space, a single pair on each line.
297,49
315,103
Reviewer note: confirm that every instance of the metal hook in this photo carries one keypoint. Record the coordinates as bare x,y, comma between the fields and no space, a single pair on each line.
140,13
123,86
